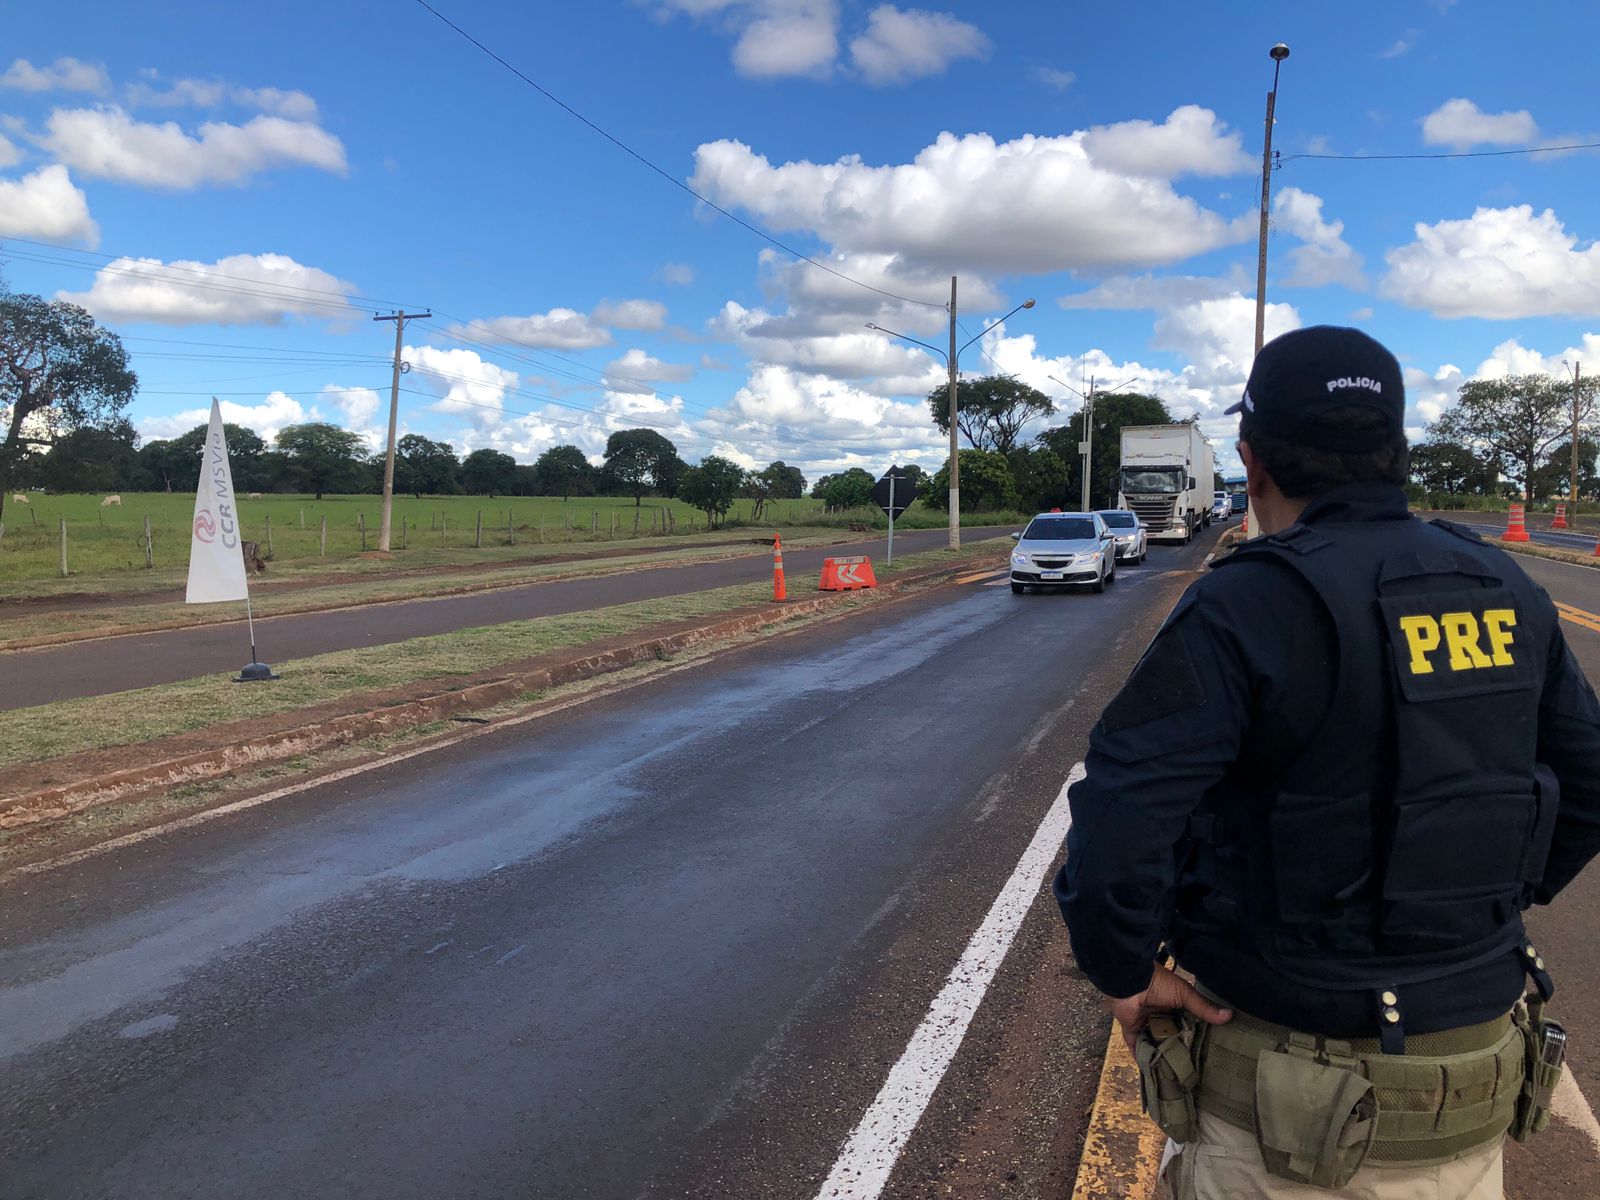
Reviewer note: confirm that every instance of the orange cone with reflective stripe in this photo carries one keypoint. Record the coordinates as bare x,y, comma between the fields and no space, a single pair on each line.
1561,517
780,590
1516,525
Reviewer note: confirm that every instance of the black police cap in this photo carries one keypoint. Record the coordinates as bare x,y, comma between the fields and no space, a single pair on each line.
1300,377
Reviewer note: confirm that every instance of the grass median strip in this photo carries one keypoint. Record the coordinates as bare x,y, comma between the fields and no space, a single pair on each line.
34,735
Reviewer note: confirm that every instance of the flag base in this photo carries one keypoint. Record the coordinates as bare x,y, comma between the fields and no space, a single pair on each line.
255,672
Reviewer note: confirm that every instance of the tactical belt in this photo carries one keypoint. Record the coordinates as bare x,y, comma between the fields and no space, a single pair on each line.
1446,1095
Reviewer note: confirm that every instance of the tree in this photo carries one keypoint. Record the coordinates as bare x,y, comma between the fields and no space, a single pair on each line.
59,371
1555,477
1516,420
319,457
642,460
176,465
712,486
488,473
1441,466
986,484
1113,411
784,481
91,459
848,489
562,470
1042,479
991,410
424,465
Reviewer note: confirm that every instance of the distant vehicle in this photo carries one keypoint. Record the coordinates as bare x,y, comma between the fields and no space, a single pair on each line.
1221,507
1160,479
1240,501
1132,544
1060,549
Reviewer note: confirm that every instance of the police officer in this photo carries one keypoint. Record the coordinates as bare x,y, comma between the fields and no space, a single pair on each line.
1357,750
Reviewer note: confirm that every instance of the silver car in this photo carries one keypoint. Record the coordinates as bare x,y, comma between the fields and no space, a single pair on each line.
1058,549
1132,542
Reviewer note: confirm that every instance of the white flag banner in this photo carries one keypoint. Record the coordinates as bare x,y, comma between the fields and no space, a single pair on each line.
216,560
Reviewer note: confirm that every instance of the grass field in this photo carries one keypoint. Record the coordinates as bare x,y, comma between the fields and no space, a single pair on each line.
102,541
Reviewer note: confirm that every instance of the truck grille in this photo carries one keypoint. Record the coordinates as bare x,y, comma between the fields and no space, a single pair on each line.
1155,511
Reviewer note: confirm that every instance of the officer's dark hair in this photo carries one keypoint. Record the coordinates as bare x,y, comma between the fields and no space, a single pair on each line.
1301,469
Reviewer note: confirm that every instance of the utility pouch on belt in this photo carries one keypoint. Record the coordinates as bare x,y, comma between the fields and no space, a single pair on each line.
1168,1079
1544,1048
1316,1116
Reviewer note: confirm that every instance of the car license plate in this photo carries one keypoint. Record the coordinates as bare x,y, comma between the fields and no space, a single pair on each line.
1049,574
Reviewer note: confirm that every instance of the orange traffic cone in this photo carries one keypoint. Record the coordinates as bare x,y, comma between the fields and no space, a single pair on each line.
780,590
1516,526
1561,517
1244,527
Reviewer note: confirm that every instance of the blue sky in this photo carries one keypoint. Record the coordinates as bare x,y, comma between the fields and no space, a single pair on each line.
311,164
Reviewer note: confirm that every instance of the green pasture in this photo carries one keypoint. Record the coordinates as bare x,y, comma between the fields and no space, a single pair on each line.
108,541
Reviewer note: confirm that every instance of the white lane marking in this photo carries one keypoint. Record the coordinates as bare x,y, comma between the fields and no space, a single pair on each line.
1570,1105
870,1153
510,954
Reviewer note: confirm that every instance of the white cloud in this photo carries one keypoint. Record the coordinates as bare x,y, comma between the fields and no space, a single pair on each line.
10,156
1155,291
1324,257
1500,263
558,329
63,75
678,274
360,407
108,143
46,205
471,387
290,104
850,354
1096,198
900,45
1462,125
1402,45
267,418
799,38
1054,78
640,315
242,289
636,370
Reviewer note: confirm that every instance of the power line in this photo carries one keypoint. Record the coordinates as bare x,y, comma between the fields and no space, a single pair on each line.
668,176
1449,154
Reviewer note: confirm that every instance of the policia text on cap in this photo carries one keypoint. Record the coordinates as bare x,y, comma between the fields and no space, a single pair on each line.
1351,758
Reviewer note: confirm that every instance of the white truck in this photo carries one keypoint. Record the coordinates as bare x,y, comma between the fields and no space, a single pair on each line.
1166,479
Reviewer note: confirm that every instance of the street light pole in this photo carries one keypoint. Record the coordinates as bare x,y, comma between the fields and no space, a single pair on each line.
1279,53
399,318
1086,444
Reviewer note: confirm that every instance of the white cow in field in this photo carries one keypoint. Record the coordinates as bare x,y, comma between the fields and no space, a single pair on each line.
111,502
18,498
253,496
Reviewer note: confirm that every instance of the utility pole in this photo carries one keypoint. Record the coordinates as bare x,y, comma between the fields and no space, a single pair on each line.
1279,53
399,319
955,456
1577,370
1088,441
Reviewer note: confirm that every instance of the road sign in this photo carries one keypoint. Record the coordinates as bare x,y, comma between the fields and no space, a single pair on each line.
896,498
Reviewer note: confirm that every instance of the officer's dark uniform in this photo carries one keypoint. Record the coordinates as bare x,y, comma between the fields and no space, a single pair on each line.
1353,755
1311,805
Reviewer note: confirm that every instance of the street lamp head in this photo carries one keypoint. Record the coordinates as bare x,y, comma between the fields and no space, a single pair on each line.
1279,52
1027,303
870,325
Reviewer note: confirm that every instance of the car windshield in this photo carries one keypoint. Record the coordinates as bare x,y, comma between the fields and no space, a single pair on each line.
1165,480
1059,529
1119,520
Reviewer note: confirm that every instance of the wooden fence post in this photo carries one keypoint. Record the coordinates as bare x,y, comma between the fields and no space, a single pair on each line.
149,547
594,522
403,538
636,520
269,537
302,520
361,523
444,529
477,537
322,540
63,547
541,529
511,530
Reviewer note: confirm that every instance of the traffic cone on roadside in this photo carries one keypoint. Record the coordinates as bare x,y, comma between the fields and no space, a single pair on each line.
1561,517
1516,526
1244,526
780,590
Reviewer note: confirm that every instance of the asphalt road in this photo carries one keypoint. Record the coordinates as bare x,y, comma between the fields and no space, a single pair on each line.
666,943
1583,543
138,660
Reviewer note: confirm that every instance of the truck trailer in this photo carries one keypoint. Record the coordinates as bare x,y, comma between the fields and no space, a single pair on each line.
1166,479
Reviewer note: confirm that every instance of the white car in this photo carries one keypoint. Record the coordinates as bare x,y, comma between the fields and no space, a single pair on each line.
1221,507
1133,542
1058,549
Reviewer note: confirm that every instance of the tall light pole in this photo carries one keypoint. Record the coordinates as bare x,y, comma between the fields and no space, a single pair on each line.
951,360
1572,490
399,319
1279,53
1086,446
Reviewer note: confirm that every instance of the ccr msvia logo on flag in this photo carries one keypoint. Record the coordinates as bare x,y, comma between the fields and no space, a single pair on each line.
205,526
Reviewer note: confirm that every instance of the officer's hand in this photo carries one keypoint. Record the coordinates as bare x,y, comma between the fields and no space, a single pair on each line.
1167,993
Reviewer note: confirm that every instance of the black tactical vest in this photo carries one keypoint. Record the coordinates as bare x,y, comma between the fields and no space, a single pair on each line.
1403,844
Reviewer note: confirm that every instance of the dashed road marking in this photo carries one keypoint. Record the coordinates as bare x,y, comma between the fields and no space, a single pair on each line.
874,1146
1570,1104
1578,616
